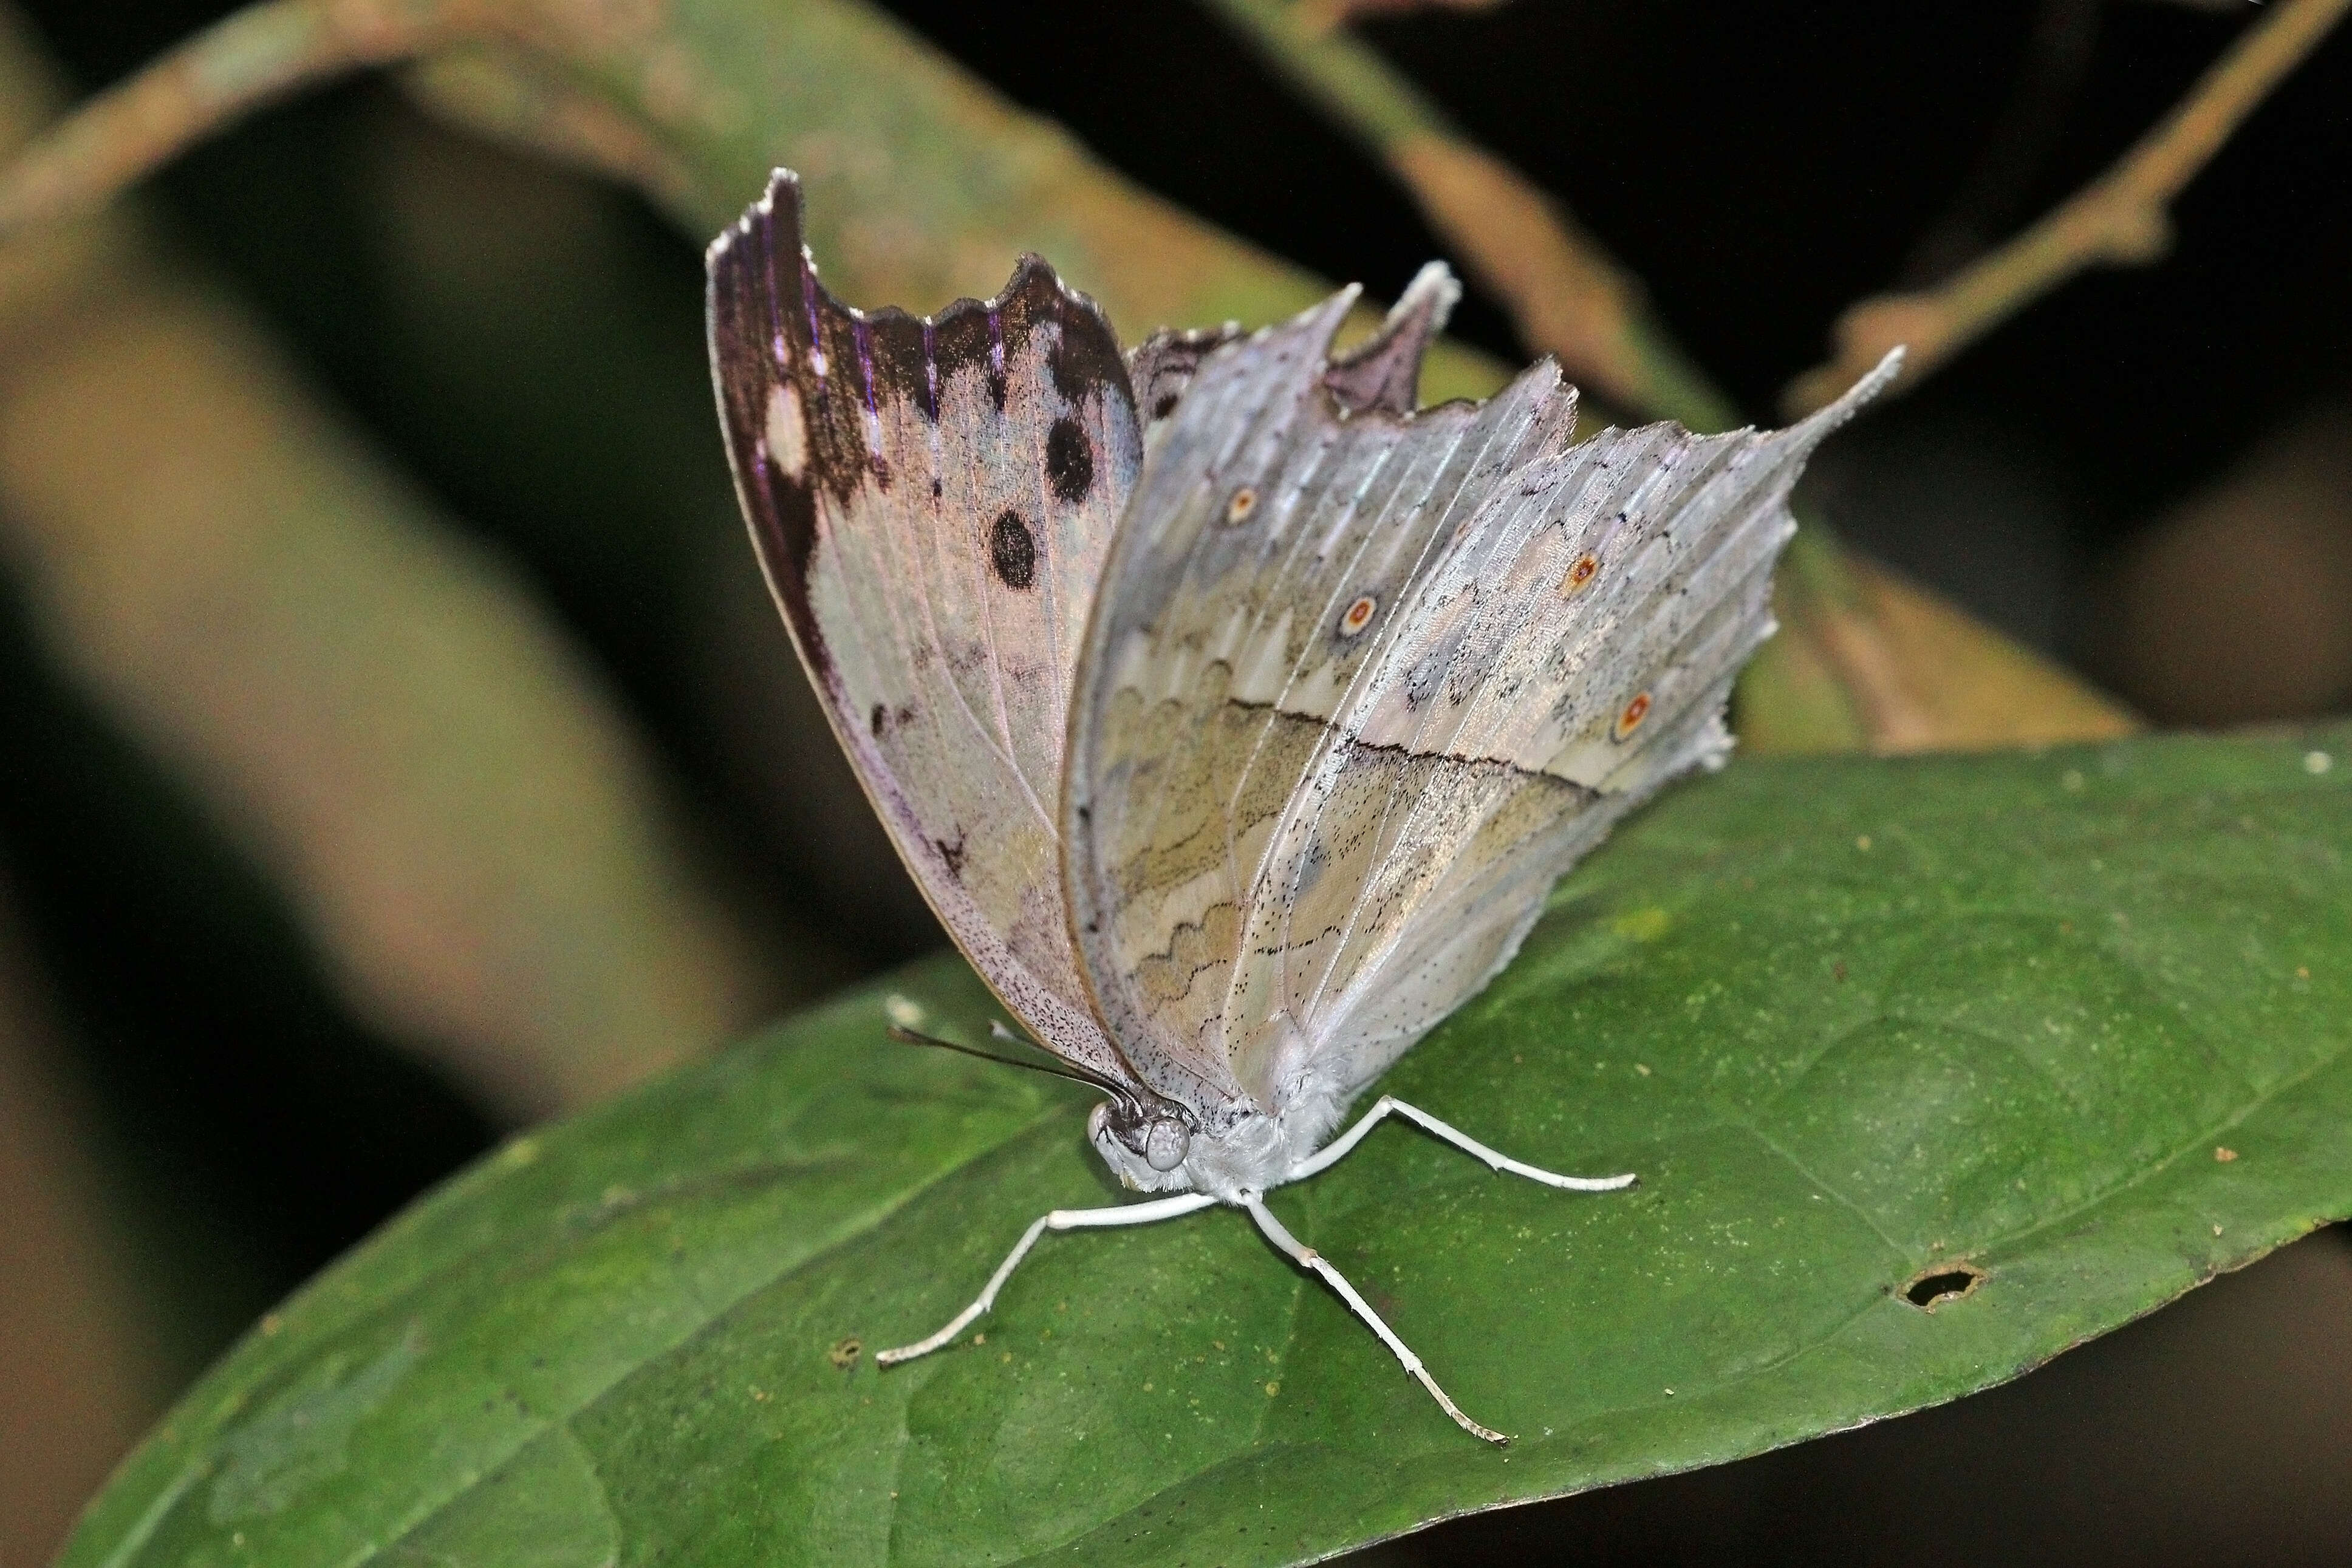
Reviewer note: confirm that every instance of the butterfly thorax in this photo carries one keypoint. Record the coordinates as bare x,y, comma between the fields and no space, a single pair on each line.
1163,1148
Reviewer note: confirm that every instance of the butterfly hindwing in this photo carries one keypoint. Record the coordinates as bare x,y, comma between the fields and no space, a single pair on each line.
1569,652
931,500
1362,684
1264,514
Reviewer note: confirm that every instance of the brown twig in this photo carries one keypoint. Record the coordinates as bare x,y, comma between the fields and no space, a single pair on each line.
248,58
1568,297
2119,219
1330,16
1991,197
695,104
1844,673
377,711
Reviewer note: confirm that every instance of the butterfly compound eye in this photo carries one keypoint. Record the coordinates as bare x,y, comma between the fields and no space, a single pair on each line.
1164,1145
1162,1138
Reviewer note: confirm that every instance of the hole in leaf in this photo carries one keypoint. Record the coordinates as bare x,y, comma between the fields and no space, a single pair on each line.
1942,1282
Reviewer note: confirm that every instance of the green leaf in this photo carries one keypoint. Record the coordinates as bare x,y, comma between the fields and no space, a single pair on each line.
1854,1021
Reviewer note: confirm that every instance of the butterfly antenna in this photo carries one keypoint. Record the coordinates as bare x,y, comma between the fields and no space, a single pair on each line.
1057,1068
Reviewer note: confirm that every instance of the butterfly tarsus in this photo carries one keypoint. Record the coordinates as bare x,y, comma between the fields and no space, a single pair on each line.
1338,1148
1059,1219
1273,1229
1307,1257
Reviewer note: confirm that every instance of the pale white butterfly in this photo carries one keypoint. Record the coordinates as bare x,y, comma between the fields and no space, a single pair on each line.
1234,716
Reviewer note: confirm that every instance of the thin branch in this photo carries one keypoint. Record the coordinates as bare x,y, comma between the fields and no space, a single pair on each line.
1330,16
1568,297
248,58
1991,197
2119,219
1858,684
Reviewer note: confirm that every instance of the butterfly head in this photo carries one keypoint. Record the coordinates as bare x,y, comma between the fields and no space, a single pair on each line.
1145,1142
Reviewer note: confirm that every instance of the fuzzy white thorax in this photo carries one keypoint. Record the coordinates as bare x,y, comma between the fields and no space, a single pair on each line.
1255,1153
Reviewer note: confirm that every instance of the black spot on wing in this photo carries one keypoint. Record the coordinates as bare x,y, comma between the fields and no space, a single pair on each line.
1012,551
1069,460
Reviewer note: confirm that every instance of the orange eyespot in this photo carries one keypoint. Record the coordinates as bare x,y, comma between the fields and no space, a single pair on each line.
1244,503
1580,572
1358,615
1630,719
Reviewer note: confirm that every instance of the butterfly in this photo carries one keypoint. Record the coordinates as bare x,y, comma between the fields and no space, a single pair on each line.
1234,715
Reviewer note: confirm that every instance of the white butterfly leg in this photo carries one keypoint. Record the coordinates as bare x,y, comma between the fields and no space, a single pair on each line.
1306,1256
1059,1219
1338,1148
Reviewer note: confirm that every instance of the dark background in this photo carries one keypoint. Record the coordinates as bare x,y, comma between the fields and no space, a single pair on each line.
1758,165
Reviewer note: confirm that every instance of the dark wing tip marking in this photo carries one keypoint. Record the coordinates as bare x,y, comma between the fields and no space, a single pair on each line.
1164,364
1384,371
745,324
787,353
1377,380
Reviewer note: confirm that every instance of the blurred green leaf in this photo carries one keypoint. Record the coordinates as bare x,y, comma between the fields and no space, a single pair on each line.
1854,1022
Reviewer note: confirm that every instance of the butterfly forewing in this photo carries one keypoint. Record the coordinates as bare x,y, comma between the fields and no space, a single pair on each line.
931,500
